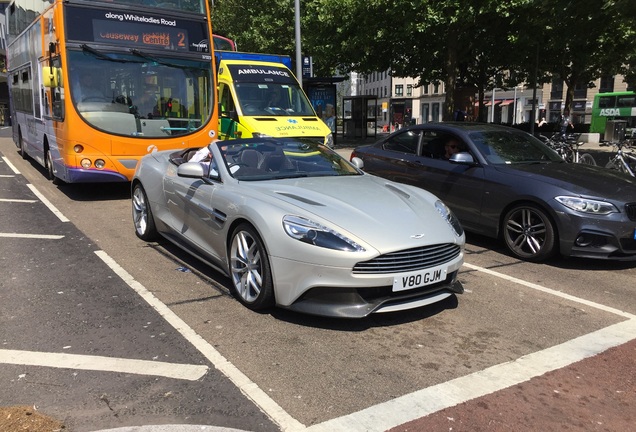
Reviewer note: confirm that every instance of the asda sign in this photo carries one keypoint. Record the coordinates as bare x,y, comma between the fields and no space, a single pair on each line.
611,112
615,112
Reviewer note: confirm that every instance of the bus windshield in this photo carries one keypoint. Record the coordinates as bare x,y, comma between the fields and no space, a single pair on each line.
134,94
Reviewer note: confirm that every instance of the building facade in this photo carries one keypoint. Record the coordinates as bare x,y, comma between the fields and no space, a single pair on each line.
401,101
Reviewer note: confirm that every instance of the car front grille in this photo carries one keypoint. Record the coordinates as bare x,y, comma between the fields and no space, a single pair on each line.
630,208
409,259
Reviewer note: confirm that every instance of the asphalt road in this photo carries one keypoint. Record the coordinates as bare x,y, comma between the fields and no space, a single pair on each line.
100,291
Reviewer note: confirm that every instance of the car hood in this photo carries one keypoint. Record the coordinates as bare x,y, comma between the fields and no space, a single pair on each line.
579,179
378,212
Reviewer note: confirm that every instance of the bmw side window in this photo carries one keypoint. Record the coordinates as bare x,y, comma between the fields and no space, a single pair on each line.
406,142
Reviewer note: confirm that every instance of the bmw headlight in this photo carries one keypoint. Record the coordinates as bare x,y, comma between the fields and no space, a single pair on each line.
449,217
585,205
313,233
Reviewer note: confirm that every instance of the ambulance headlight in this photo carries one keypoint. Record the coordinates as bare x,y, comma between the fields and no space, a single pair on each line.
329,141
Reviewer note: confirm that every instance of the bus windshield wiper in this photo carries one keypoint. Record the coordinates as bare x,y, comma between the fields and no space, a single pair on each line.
100,54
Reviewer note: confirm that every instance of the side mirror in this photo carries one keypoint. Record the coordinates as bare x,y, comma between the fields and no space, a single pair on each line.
357,162
462,158
190,170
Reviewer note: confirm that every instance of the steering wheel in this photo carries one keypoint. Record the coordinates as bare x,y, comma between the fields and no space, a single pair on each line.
249,108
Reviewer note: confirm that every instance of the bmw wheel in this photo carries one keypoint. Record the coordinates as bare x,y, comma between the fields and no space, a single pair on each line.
250,269
529,233
142,215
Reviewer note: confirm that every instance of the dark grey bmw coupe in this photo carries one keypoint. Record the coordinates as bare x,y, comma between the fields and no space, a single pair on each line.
505,183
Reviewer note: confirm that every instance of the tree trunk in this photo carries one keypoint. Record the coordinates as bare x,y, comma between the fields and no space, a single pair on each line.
451,75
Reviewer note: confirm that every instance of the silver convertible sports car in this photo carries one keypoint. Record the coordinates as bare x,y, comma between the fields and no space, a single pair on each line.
502,182
294,224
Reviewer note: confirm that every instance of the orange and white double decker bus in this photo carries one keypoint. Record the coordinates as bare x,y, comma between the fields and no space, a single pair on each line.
96,85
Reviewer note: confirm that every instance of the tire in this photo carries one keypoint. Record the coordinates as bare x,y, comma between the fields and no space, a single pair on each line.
613,164
250,269
21,149
617,165
48,165
529,233
143,219
587,159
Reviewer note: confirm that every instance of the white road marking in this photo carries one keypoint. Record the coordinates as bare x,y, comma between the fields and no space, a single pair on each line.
17,200
13,168
31,236
106,364
242,382
552,292
47,203
438,397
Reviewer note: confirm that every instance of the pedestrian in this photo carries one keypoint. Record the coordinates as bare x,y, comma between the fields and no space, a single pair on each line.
566,122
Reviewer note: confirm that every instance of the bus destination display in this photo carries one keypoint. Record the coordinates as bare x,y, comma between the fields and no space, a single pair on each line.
145,31
142,35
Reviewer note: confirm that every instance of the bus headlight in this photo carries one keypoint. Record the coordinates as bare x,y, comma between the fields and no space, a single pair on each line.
99,163
78,148
86,163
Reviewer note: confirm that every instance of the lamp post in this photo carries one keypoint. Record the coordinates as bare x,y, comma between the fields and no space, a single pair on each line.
299,65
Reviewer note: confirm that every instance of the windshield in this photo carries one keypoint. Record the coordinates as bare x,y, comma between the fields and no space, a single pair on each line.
273,99
140,95
267,159
505,148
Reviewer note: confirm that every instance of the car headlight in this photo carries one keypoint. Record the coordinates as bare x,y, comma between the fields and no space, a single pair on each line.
585,205
329,141
449,217
313,233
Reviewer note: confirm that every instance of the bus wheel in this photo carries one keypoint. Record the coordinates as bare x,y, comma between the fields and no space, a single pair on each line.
48,164
22,151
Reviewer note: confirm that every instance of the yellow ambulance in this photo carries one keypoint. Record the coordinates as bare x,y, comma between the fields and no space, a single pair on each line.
259,96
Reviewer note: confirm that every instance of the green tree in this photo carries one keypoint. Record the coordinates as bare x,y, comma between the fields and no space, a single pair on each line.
257,26
475,44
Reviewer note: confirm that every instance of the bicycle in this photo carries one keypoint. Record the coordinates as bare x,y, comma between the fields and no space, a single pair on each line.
567,146
625,158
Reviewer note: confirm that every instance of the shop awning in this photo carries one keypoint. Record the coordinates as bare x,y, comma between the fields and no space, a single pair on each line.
490,102
507,102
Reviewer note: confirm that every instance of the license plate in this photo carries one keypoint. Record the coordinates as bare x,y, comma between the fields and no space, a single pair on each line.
419,278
